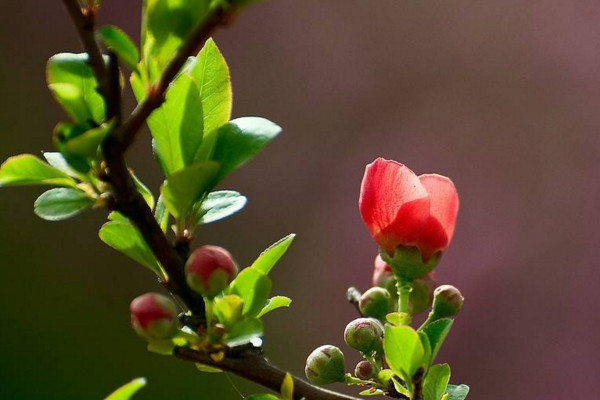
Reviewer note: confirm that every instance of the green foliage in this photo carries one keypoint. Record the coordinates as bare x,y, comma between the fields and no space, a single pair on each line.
268,258
72,82
27,169
240,140
244,331
254,287
436,333
84,145
62,203
121,44
59,162
187,186
165,25
436,381
403,350
219,205
127,391
124,237
459,392
273,304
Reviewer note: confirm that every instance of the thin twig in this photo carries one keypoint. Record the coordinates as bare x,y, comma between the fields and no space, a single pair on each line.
253,366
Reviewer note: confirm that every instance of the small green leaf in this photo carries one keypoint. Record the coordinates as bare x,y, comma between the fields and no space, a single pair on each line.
58,161
72,81
437,332
459,392
436,381
177,125
372,392
144,191
185,187
208,368
210,72
62,203
274,303
161,214
403,350
268,258
254,288
240,140
228,309
119,42
86,144
245,331
27,169
126,391
124,237
427,360
262,397
287,387
219,205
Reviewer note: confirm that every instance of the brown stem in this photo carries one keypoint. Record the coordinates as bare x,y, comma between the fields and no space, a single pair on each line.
418,384
251,365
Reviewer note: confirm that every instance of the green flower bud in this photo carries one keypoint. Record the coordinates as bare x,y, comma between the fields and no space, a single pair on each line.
209,270
364,370
154,316
375,303
325,365
447,302
364,334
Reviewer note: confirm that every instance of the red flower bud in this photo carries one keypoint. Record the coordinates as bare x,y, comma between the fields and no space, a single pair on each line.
383,275
325,365
447,302
400,208
154,316
364,370
364,334
209,270
376,303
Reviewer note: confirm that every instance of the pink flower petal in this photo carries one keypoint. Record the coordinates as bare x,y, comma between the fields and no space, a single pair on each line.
443,201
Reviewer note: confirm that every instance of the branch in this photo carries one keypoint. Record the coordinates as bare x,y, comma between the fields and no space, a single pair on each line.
251,365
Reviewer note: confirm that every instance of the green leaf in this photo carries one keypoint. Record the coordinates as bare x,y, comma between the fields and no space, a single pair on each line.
437,332
268,258
436,381
262,397
165,25
240,140
144,191
86,144
119,42
124,237
58,161
27,169
427,360
185,187
274,303
287,387
254,288
211,73
177,125
228,309
245,331
403,350
62,203
208,368
459,392
372,392
161,214
219,205
72,81
126,391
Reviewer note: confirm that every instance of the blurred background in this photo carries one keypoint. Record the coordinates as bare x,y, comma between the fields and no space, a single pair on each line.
502,96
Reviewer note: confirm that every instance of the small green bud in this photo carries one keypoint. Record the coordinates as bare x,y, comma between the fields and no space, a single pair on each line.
325,365
154,316
447,302
421,295
364,334
375,303
364,370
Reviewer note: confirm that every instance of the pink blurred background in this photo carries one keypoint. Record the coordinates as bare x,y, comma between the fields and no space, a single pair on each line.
502,96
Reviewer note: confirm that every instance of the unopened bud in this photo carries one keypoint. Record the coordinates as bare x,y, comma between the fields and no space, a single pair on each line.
383,275
421,295
154,316
447,301
375,303
364,370
364,334
209,270
325,365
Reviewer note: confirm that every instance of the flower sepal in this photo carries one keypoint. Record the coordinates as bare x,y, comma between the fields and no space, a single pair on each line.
407,263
